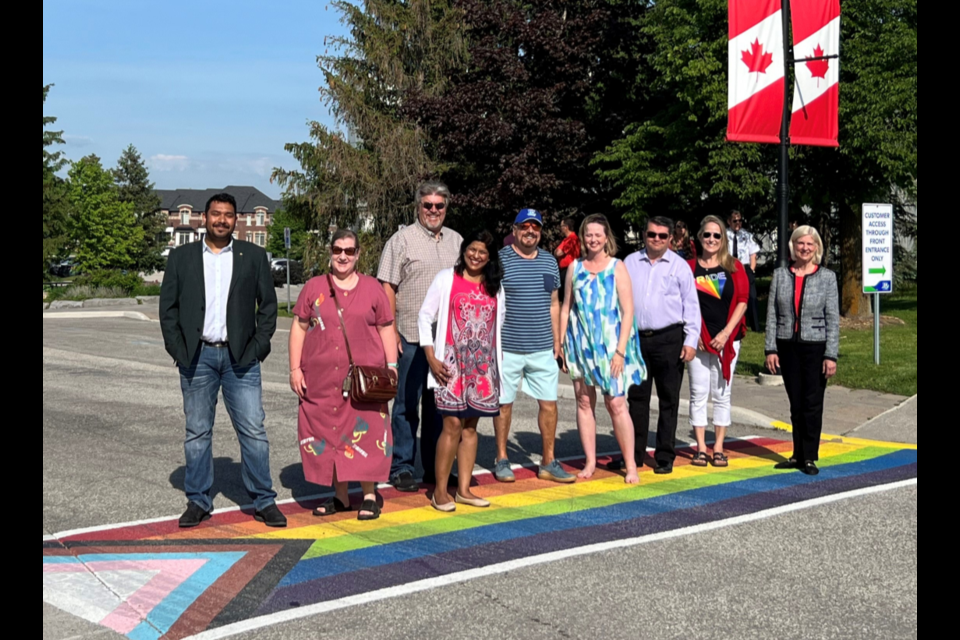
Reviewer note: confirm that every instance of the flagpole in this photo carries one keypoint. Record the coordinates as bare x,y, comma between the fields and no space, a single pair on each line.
783,187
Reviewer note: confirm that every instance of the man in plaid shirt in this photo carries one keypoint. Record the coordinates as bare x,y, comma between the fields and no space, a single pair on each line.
410,262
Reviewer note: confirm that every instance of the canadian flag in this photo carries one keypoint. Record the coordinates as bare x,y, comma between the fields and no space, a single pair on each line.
757,71
816,100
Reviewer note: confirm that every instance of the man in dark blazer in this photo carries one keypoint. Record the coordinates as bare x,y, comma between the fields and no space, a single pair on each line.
218,313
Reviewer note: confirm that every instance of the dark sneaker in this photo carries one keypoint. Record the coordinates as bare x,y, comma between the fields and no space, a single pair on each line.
664,469
554,472
404,483
272,517
194,517
503,473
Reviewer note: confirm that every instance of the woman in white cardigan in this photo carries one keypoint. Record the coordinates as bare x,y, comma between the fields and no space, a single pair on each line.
466,306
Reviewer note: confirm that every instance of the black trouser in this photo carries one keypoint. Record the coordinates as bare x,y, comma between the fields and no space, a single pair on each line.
753,308
563,284
663,356
802,366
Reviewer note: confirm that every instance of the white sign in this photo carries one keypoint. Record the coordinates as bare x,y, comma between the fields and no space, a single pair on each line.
878,248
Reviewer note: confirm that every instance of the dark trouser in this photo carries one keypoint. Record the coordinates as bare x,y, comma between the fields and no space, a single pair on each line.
753,308
563,284
414,404
662,354
802,366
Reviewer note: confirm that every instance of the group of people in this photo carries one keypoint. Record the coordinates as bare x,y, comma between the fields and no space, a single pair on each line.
466,325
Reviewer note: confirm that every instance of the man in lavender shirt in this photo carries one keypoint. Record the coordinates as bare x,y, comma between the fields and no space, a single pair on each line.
668,321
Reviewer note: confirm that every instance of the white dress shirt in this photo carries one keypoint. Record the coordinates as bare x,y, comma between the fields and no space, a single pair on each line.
217,277
743,246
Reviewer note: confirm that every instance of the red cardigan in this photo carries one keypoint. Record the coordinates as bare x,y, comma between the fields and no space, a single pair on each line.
741,295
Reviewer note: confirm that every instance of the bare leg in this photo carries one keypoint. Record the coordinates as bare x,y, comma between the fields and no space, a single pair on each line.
701,438
721,437
623,429
446,452
502,425
549,416
467,457
587,424
369,493
341,490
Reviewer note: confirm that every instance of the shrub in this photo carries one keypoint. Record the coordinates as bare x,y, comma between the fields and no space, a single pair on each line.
127,282
88,292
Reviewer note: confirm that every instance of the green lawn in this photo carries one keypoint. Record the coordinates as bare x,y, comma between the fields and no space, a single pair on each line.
898,347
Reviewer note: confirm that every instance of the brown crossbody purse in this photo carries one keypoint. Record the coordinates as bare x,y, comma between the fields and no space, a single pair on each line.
365,385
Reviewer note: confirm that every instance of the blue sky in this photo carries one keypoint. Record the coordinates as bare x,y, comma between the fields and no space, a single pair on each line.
209,91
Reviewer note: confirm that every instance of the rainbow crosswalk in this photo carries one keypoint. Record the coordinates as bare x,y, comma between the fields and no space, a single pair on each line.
172,584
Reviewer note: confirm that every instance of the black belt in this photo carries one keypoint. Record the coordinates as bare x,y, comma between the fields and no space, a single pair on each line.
216,345
659,332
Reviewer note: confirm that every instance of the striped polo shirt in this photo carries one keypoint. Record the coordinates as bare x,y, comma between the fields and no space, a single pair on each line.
529,286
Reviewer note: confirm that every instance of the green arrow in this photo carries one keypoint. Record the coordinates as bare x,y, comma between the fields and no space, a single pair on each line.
878,272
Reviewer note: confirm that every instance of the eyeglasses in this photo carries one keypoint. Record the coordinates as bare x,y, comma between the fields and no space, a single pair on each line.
713,236
430,206
351,251
736,221
651,235
529,226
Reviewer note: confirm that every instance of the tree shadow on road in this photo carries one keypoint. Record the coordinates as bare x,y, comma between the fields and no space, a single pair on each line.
227,481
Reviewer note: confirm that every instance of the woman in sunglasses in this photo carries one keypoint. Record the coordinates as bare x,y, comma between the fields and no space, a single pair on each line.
340,441
682,244
724,291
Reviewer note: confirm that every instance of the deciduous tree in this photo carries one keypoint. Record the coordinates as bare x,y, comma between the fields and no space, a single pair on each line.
104,232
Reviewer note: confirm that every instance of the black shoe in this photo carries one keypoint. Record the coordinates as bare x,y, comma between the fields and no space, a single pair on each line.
811,469
790,465
404,483
272,517
194,517
616,465
664,469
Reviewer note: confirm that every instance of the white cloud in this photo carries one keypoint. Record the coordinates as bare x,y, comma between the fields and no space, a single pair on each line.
78,141
162,162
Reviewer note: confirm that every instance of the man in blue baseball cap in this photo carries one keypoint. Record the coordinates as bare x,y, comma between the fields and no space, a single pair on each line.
531,342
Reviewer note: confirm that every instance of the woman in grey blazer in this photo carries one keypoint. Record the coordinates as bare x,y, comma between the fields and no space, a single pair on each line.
803,340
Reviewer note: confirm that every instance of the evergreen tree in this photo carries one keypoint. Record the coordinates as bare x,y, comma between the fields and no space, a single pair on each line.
104,232
55,207
132,179
363,172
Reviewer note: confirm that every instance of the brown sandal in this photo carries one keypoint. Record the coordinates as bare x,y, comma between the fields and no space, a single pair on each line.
701,460
721,461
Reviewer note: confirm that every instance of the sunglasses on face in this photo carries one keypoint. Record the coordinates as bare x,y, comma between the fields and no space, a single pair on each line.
651,235
529,226
430,206
351,252
736,221
712,236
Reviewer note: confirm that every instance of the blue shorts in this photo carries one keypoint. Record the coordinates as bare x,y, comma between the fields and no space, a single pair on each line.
538,372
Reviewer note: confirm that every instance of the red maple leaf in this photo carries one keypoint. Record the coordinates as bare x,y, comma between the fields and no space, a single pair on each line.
819,68
756,60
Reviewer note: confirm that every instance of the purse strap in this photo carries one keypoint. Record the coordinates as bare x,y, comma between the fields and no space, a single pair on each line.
343,326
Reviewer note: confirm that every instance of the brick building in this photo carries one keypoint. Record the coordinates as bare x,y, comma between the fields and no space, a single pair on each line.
184,208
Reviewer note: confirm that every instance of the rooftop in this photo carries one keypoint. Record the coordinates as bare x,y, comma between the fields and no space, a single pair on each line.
248,199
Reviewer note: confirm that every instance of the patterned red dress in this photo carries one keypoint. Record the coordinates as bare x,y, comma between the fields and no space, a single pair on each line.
471,354
335,433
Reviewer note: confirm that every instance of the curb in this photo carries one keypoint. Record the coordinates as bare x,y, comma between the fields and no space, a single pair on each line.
745,417
96,315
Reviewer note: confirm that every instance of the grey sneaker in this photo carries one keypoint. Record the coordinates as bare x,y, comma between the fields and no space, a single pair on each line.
503,473
554,472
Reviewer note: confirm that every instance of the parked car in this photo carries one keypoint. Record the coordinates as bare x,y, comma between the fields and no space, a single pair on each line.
281,264
64,269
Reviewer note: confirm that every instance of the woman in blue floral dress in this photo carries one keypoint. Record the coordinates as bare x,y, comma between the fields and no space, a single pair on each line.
601,347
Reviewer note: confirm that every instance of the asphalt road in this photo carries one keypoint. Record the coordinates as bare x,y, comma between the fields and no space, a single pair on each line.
112,452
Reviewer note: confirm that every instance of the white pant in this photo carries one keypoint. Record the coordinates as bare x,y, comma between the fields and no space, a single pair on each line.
707,383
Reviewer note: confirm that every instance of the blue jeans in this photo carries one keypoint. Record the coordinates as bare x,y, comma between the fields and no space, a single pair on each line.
414,403
213,370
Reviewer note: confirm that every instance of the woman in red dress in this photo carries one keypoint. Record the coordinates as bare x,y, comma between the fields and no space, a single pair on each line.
341,441
466,305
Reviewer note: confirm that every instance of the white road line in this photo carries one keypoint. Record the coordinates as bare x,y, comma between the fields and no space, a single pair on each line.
319,496
457,578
